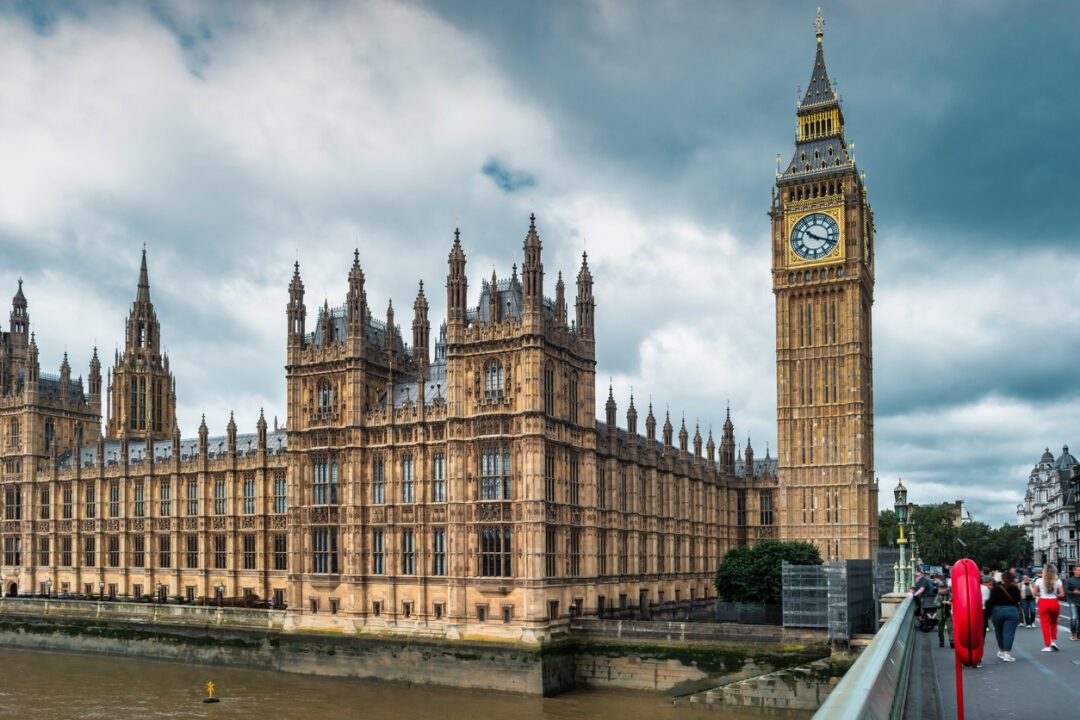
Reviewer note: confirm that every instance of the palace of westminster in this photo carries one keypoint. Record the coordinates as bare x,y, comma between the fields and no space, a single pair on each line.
464,486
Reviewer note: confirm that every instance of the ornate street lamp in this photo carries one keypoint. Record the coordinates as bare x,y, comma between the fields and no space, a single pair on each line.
900,571
101,589
220,595
48,588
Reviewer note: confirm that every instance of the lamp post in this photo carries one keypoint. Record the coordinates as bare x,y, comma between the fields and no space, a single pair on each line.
101,590
900,570
916,562
220,595
48,588
157,597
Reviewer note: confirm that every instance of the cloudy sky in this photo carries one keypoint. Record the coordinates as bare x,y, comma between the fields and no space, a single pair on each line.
232,137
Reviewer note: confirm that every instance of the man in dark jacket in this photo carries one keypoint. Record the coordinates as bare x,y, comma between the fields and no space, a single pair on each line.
1072,594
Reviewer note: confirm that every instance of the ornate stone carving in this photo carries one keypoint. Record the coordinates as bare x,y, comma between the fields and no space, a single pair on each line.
163,523
88,525
219,523
191,523
248,522
277,522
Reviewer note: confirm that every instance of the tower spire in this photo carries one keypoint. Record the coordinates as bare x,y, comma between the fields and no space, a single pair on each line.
143,294
819,25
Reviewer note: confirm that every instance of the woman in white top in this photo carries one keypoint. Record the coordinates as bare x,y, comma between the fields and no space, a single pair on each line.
1048,590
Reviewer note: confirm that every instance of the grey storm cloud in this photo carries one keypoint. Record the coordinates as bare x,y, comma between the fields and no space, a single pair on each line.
235,138
506,179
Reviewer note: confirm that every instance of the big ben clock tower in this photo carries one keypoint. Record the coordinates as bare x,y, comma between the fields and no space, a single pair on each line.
823,280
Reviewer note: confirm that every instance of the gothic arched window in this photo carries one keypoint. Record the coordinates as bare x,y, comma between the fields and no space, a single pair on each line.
493,379
326,396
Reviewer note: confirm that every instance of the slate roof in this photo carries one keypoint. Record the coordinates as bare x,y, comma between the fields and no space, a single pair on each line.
49,388
820,90
374,331
830,150
276,442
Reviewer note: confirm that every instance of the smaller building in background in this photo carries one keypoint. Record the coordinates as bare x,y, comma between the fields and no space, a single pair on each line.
1048,512
960,513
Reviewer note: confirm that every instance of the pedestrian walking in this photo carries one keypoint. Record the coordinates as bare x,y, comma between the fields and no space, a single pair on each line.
1004,607
943,604
1049,592
1027,603
1072,594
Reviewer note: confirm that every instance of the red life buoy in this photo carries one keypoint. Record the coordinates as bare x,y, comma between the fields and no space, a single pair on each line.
967,612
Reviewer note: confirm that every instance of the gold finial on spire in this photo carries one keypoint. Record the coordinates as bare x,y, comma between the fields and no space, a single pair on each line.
819,24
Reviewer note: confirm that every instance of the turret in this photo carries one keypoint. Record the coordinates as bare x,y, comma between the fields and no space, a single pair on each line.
697,444
204,439
65,380
631,421
33,370
356,301
560,302
727,446
457,288
668,433
326,326
176,442
94,381
710,448
20,318
295,311
421,330
585,303
610,407
532,271
684,439
749,457
261,432
390,346
230,432
650,428
493,299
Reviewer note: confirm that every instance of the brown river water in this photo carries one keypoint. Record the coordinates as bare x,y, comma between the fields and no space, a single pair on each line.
52,685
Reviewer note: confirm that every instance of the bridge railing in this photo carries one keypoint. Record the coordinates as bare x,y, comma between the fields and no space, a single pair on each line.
874,687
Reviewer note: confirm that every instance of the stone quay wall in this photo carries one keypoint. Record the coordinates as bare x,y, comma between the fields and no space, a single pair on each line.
630,656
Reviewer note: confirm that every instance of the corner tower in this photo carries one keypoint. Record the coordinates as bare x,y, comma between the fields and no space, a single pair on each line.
823,280
142,392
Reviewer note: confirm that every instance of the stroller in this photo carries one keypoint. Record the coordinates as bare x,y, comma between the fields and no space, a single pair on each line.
926,613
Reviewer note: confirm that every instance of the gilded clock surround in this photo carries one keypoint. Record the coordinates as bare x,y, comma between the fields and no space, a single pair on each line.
793,258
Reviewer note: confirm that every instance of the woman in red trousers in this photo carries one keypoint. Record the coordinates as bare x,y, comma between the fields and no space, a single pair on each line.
1048,590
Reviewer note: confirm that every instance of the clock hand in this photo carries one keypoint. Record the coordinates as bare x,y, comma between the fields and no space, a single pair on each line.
816,237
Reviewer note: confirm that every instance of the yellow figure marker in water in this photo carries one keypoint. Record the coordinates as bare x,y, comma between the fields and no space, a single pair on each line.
210,690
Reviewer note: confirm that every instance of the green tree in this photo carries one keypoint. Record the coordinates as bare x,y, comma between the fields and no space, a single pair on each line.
752,574
940,540
888,529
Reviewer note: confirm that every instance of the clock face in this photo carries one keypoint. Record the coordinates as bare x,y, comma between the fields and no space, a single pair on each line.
814,236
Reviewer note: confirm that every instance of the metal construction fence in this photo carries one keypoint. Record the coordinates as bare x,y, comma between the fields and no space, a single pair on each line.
885,559
805,595
838,596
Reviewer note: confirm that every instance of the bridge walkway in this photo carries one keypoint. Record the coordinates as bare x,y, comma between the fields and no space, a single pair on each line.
1036,684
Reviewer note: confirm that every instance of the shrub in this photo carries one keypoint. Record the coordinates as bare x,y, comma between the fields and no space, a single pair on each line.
752,574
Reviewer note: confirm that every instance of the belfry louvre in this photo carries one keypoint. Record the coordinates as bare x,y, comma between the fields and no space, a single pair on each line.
464,487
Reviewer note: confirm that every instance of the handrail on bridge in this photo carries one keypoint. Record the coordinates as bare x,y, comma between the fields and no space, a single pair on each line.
874,687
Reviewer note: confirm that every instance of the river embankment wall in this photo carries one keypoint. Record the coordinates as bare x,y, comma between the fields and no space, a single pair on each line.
660,657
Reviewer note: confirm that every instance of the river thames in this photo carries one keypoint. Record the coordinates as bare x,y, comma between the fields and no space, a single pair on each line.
53,685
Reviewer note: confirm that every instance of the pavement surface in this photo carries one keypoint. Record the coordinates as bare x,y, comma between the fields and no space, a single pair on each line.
998,690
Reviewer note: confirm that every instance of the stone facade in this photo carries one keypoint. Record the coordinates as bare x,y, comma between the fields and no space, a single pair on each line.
1048,513
461,488
823,280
